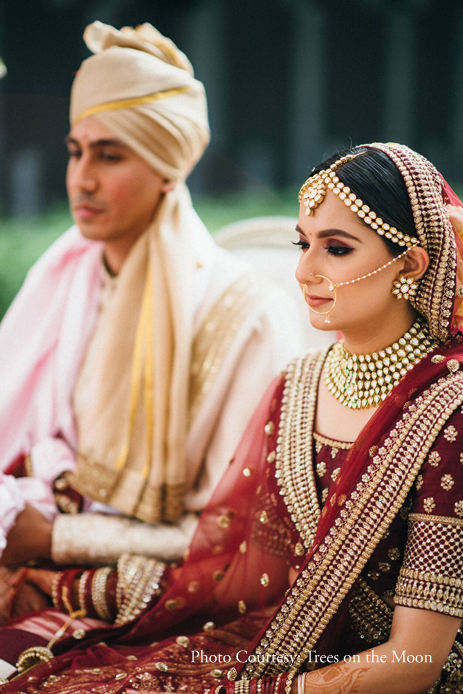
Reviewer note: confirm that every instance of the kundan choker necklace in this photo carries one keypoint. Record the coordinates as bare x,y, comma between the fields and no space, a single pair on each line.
359,381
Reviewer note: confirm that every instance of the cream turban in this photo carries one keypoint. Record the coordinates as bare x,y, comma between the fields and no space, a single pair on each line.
132,436
141,87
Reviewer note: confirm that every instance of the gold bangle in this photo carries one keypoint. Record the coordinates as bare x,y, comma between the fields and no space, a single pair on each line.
289,681
82,588
99,582
54,589
65,599
141,580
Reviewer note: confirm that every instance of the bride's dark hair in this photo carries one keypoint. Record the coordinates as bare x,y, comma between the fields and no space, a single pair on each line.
376,180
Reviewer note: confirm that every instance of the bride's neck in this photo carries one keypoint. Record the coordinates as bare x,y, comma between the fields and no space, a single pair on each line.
379,334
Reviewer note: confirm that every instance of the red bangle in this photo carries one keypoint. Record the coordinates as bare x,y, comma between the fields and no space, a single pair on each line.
111,587
282,683
88,602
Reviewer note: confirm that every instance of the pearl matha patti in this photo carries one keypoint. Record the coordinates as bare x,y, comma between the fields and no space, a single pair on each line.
316,186
359,381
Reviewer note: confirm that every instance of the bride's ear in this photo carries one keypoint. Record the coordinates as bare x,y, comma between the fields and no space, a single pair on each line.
416,262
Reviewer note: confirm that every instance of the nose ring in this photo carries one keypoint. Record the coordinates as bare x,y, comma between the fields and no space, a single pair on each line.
331,287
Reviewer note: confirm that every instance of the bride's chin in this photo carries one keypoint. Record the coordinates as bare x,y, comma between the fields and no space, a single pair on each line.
319,323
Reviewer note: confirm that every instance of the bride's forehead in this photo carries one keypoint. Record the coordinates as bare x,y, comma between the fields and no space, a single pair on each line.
331,214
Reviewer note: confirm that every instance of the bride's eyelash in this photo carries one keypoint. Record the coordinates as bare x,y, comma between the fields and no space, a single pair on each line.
332,249
339,250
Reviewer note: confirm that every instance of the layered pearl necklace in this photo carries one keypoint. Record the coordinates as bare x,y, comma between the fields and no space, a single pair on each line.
359,381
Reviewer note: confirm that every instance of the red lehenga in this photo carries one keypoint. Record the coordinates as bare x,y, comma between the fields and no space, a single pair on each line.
337,514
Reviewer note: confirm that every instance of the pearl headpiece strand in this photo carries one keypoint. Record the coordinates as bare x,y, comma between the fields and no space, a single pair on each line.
316,186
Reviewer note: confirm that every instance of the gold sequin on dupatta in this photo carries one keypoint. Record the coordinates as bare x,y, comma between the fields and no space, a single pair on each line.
379,494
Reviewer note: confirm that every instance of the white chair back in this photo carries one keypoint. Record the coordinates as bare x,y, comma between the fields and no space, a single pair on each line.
265,242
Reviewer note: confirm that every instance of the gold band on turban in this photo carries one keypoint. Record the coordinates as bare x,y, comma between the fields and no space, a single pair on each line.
132,440
142,88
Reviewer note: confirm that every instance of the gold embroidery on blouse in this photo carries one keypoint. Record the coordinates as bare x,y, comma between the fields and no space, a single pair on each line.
370,616
459,508
394,553
450,433
447,520
333,443
354,535
429,504
434,458
437,583
447,482
321,469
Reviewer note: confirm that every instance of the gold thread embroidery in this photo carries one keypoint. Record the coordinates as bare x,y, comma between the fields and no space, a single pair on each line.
434,584
446,520
297,482
332,443
370,615
354,536
217,331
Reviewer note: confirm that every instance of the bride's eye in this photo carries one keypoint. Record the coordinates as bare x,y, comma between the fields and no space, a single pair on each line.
303,244
339,250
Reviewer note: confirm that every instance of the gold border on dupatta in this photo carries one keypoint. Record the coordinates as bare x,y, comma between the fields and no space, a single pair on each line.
362,521
294,469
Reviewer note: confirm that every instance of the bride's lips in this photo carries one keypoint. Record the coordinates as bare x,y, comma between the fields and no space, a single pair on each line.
315,301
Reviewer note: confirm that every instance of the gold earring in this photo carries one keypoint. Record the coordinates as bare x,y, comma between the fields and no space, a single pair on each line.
404,288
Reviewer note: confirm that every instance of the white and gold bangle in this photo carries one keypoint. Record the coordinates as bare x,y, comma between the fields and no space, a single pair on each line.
99,601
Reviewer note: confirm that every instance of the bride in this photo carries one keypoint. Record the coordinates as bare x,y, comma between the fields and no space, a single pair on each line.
330,558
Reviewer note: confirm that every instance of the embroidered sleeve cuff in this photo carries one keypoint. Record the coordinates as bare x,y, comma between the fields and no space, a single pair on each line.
431,577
